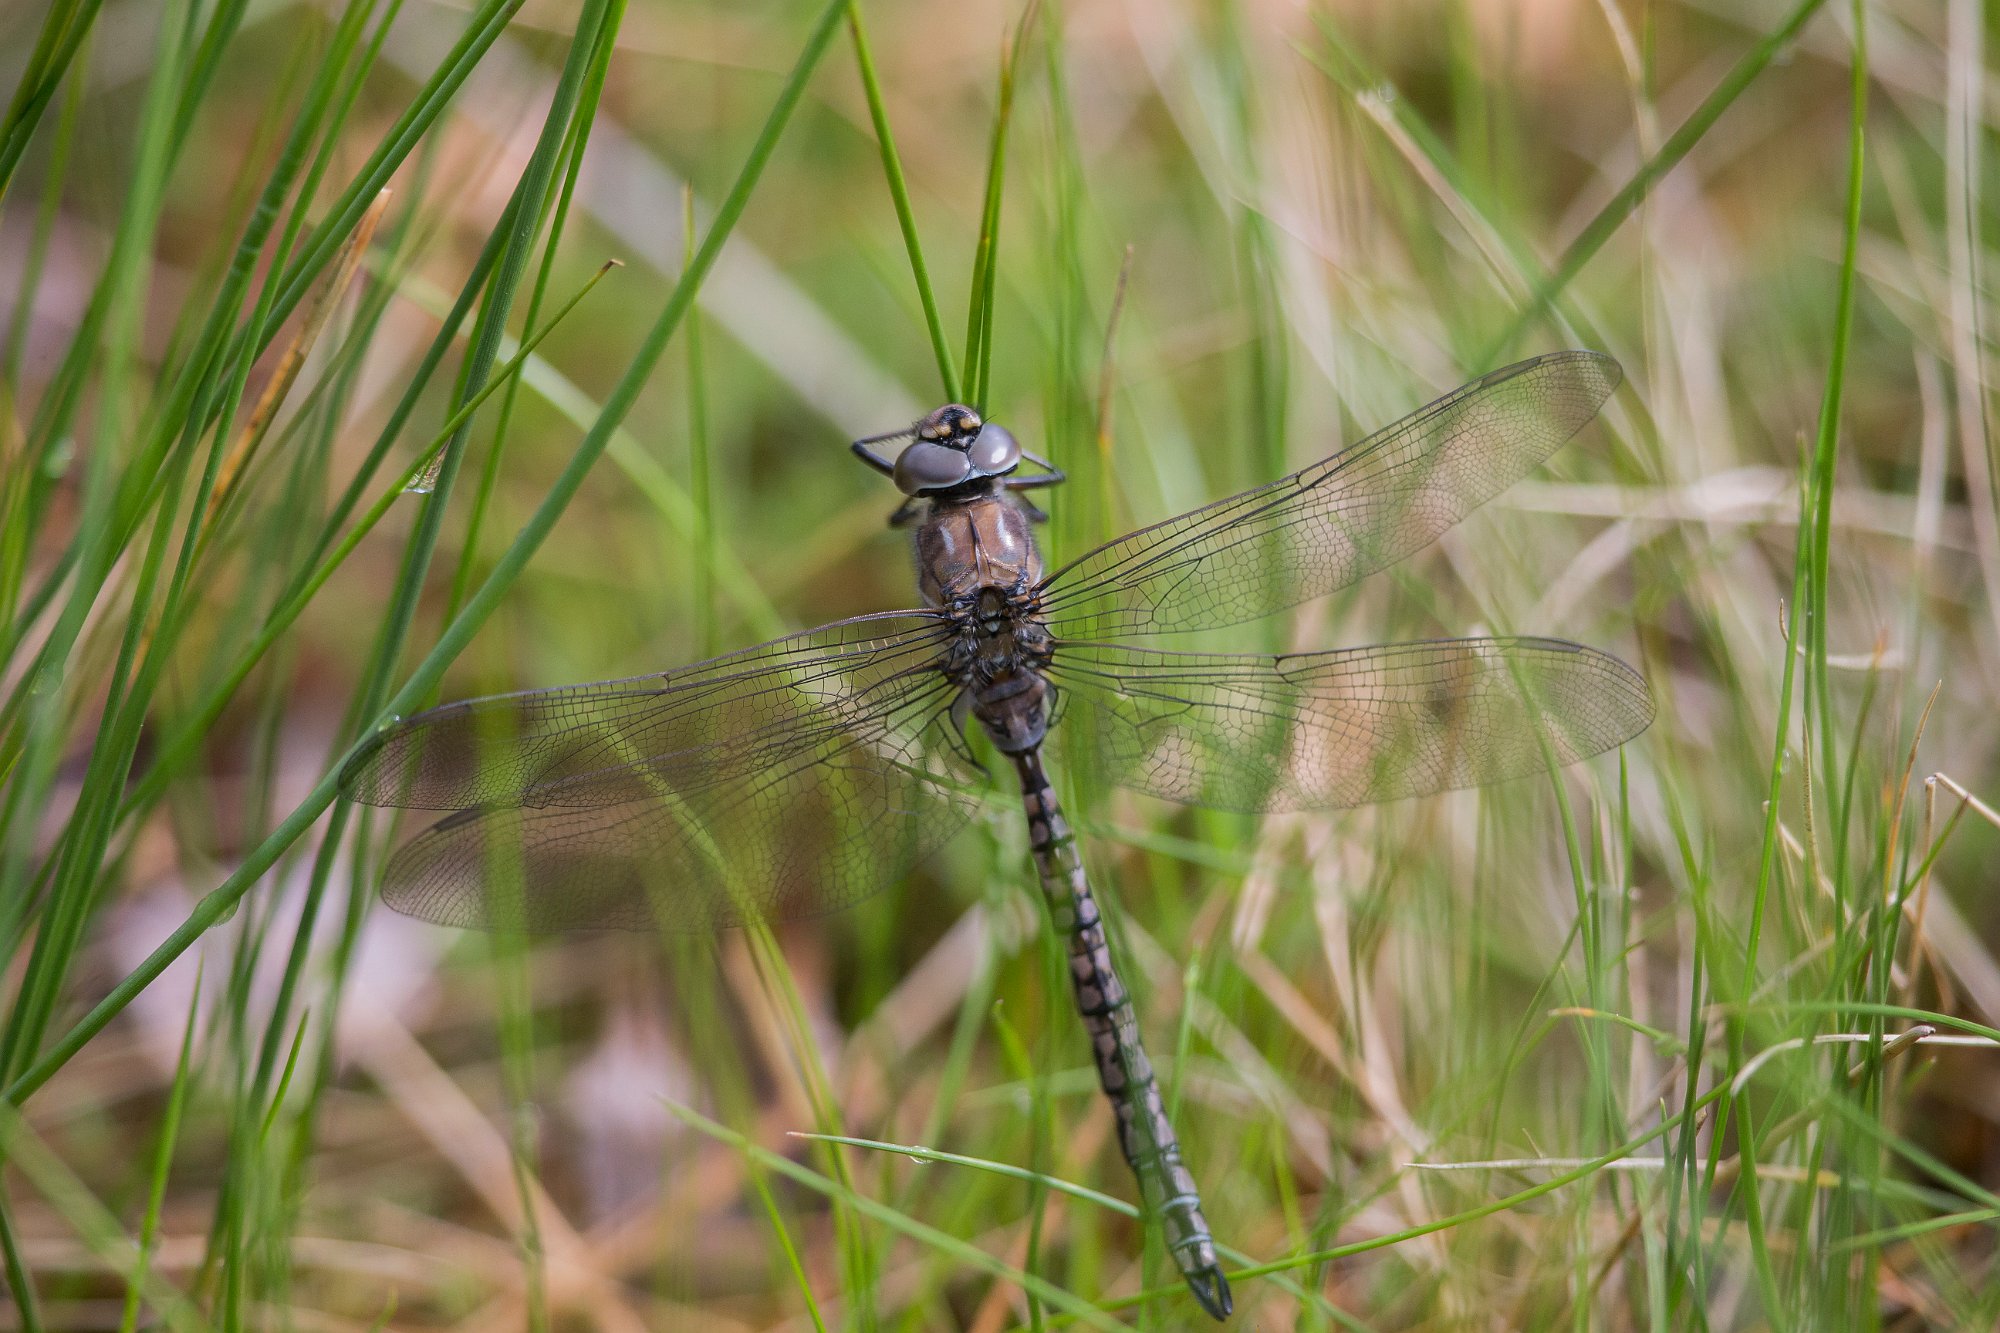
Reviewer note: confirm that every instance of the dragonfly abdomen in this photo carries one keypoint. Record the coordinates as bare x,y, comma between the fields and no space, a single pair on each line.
1144,1132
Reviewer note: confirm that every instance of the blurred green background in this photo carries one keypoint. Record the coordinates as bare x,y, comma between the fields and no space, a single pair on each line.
1692,1039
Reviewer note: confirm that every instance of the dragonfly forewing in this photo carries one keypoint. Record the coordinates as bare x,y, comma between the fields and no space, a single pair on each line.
1344,517
576,743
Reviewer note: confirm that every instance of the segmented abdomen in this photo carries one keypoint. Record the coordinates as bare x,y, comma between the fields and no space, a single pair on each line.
1144,1132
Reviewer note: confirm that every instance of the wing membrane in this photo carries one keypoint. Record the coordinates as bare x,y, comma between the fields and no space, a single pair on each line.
1322,730
572,743
1349,515
783,781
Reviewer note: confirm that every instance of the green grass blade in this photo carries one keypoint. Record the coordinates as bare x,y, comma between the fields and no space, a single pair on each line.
63,32
970,1256
918,1153
899,194
986,267
1626,201
223,899
163,1160
576,141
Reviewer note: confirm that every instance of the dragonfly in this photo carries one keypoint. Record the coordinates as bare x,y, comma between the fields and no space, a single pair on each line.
797,777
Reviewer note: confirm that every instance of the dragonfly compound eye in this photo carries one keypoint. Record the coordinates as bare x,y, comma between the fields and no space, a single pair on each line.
925,466
994,451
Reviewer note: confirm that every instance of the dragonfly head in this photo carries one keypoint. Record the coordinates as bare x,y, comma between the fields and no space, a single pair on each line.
953,446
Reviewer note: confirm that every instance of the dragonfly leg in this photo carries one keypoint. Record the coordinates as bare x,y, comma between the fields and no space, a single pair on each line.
1051,475
1145,1134
873,459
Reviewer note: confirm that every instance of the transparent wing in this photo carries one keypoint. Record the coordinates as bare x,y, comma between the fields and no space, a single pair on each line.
1322,528
574,744
1310,731
779,782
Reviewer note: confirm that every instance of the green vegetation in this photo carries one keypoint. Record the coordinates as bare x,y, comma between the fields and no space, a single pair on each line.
319,402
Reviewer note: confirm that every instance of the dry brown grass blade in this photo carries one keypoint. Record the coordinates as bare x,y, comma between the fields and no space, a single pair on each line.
1919,908
454,1125
319,311
1002,1307
325,300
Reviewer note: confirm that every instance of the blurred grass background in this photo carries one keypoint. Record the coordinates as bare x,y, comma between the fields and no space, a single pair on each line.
1699,1038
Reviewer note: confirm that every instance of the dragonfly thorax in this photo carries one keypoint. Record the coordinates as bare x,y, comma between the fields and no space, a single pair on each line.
978,564
971,542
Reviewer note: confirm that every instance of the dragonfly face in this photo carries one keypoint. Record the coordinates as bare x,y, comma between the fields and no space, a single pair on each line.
953,447
799,776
